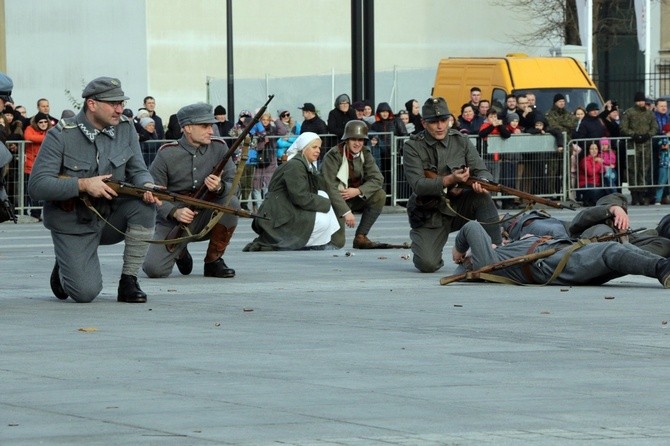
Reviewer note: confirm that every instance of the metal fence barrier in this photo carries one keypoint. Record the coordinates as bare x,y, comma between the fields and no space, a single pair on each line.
527,162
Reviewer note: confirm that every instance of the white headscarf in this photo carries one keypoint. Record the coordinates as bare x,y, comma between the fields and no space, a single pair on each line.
300,143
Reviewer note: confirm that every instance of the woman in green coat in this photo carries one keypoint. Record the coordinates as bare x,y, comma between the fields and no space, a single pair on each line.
298,211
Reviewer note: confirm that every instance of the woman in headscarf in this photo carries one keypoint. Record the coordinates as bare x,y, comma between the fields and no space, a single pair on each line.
298,211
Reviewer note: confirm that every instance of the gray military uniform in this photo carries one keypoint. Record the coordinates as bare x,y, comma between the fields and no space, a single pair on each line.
431,225
590,222
592,264
182,168
76,149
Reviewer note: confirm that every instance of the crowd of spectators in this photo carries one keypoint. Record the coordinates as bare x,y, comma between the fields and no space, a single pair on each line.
643,129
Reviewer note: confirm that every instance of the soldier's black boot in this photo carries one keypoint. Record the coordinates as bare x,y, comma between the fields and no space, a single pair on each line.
185,262
218,242
56,286
129,290
663,272
218,268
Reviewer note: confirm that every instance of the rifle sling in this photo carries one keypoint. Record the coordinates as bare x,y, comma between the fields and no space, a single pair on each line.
526,267
216,216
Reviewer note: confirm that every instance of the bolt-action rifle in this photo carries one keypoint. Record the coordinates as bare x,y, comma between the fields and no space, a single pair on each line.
121,187
205,194
492,186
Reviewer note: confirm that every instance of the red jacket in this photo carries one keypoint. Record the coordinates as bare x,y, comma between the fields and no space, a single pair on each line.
36,137
590,172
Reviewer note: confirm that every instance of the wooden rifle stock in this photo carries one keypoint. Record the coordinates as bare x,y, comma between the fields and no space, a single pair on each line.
123,188
527,258
492,186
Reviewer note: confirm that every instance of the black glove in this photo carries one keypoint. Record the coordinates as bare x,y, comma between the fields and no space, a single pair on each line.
641,138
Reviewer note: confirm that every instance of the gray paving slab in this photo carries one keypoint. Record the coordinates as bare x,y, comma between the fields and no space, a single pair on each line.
325,348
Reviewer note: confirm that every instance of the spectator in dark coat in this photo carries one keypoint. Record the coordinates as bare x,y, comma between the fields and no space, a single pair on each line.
340,115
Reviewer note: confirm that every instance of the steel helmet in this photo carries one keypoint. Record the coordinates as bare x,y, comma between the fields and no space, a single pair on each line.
355,129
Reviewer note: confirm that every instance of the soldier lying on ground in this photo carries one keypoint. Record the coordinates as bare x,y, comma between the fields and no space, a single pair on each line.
608,216
591,264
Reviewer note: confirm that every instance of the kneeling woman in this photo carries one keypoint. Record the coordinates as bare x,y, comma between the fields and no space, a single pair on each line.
298,211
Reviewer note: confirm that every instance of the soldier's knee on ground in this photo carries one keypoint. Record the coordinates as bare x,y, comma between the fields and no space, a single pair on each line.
338,239
83,292
156,271
426,266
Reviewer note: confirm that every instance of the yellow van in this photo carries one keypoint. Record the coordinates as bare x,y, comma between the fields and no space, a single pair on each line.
515,74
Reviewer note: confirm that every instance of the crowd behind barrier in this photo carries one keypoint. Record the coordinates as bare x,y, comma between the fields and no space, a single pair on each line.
526,162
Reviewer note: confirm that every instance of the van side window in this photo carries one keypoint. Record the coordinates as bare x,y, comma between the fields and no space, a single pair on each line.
498,99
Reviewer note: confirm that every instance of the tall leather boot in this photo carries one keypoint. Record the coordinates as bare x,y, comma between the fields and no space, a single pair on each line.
218,242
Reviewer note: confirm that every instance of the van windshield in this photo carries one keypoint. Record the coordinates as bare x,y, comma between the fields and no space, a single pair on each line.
574,97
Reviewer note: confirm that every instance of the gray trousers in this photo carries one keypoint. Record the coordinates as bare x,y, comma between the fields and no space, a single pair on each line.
159,262
77,254
592,264
428,240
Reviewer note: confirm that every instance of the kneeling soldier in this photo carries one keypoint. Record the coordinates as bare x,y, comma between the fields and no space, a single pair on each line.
182,167
354,183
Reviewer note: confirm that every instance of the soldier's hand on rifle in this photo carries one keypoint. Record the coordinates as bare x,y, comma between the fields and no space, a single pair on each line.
150,198
184,215
213,183
96,187
620,218
459,175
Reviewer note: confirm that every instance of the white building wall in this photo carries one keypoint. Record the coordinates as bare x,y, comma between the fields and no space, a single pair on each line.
170,48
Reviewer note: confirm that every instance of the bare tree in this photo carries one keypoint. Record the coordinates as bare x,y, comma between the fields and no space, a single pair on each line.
556,21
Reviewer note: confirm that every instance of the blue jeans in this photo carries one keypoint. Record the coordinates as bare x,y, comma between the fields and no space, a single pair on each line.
662,179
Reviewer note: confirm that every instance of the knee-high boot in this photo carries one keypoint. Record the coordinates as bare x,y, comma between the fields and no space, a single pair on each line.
218,242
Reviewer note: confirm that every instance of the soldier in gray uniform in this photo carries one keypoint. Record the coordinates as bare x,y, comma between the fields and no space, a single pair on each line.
435,161
183,167
354,183
592,264
75,157
608,216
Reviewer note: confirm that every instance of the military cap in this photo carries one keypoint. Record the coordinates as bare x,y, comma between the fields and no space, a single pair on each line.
435,109
198,113
104,89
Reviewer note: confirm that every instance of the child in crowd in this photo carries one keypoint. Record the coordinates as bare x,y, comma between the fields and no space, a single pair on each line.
590,176
609,163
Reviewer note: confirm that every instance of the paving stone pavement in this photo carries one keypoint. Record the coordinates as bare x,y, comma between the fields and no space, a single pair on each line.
325,348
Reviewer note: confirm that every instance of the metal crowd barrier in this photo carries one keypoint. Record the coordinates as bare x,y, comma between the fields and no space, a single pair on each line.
527,162
640,169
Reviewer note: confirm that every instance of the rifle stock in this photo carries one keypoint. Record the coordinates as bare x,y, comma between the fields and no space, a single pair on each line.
121,187
492,186
527,258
